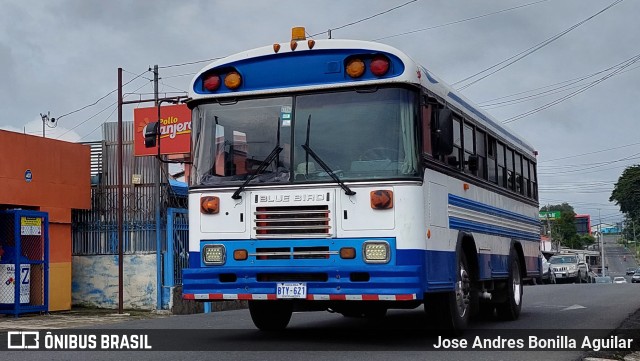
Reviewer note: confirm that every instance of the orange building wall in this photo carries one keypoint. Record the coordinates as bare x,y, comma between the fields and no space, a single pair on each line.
60,183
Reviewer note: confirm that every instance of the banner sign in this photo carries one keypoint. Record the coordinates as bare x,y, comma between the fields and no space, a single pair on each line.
175,129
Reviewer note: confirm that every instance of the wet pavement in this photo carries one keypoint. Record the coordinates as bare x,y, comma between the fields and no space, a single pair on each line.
76,318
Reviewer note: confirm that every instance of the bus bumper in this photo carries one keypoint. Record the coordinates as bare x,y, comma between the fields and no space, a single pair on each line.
390,283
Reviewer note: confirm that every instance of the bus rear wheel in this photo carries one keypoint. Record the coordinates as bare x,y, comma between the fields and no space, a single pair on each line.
270,315
510,309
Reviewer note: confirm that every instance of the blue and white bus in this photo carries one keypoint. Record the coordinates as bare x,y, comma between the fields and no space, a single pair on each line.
341,175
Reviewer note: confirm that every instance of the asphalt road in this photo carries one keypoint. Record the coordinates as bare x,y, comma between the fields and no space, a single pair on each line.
401,335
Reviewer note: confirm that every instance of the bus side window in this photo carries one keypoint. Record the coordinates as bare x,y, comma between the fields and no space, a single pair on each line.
469,147
527,182
426,129
518,170
454,158
502,171
511,176
534,186
492,160
481,152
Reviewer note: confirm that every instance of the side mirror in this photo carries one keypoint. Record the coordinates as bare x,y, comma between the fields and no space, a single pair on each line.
444,132
472,163
151,133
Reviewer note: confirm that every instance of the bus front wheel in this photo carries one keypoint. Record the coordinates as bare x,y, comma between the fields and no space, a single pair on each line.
270,315
451,310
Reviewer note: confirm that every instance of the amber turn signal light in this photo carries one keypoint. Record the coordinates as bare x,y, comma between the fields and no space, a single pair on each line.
355,68
210,205
240,254
381,199
233,80
347,253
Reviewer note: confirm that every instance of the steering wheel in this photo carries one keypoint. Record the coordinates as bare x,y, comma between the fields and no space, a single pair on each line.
380,153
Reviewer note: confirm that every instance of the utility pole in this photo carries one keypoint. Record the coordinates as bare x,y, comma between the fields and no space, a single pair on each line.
120,198
635,242
120,178
158,215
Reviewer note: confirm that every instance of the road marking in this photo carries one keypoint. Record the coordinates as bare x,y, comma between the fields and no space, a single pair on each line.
574,307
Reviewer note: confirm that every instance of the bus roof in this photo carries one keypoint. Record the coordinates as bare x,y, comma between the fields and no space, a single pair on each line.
319,65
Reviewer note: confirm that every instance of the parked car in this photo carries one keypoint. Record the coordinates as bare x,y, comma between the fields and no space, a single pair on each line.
636,276
547,275
619,279
569,267
603,279
631,270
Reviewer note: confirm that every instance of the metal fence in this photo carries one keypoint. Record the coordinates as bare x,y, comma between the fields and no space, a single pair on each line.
177,256
95,230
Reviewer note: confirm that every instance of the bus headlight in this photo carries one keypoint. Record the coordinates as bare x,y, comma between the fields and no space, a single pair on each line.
213,254
376,252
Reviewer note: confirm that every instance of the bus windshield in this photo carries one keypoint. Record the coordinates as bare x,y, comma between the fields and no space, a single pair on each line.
359,135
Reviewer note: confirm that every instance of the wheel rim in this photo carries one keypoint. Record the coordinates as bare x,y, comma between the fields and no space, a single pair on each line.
462,291
517,283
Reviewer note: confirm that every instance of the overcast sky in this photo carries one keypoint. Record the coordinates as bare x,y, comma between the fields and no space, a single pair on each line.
60,56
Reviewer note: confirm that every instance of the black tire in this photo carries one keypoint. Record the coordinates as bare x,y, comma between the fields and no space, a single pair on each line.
270,315
451,310
509,310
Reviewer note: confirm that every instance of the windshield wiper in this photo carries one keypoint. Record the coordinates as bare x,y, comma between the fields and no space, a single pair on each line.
265,163
328,169
322,164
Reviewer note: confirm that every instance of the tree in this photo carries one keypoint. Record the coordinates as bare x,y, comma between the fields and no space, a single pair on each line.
626,192
564,228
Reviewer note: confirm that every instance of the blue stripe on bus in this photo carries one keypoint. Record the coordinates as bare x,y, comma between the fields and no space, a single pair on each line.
300,68
472,226
415,271
491,210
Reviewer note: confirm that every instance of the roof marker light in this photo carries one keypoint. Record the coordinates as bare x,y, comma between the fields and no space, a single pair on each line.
298,33
276,47
311,43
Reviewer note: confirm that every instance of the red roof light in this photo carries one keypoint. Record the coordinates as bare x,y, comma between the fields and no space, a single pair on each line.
212,82
379,65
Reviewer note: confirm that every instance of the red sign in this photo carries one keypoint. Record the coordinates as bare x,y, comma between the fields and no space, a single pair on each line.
175,129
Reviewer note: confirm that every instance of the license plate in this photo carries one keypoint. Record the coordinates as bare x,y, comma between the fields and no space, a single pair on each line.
291,290
560,275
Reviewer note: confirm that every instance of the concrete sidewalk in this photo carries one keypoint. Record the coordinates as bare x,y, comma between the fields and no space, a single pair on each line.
76,318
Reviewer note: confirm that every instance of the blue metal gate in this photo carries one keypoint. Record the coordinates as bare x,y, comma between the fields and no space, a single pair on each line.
177,253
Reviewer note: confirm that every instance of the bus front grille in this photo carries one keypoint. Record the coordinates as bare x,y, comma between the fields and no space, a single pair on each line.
292,221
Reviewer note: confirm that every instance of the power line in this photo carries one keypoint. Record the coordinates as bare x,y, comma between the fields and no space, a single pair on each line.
101,98
556,86
365,19
458,21
552,91
521,55
594,152
570,95
189,63
110,114
103,110
337,28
